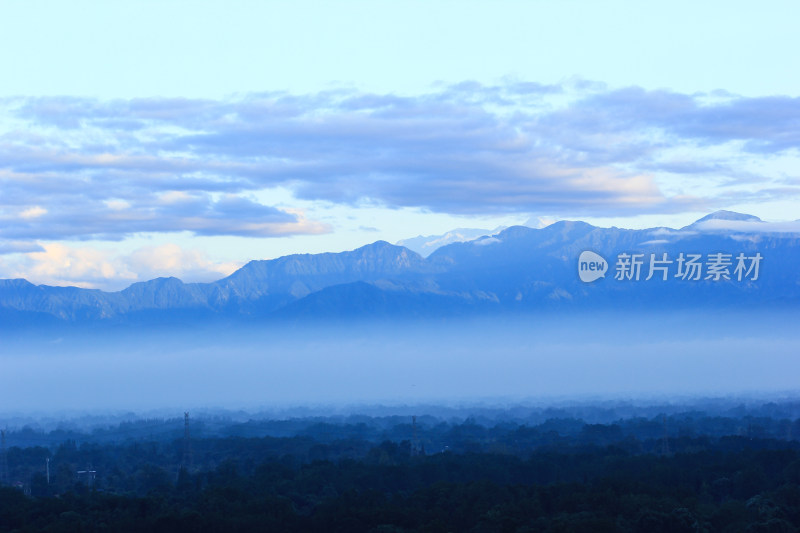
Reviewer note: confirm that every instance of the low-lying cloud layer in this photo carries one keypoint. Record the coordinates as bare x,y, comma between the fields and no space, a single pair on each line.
607,355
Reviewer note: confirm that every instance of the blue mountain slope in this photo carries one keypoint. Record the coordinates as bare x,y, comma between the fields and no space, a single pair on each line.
369,300
263,286
518,270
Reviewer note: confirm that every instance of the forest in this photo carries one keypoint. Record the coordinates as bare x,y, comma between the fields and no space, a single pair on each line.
672,468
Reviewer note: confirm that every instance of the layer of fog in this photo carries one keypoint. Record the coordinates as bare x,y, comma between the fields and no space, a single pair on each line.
273,366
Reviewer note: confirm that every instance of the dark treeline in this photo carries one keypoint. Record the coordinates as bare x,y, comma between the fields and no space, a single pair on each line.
711,417
686,471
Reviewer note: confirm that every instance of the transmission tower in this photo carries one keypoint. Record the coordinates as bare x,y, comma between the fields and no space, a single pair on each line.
186,463
3,458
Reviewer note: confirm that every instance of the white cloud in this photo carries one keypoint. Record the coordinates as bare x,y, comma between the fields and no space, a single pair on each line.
117,205
85,267
748,226
669,232
174,197
172,260
61,265
33,212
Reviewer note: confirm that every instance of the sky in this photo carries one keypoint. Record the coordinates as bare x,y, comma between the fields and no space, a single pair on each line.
169,138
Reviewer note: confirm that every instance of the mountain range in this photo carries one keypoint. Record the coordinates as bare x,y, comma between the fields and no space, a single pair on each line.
742,262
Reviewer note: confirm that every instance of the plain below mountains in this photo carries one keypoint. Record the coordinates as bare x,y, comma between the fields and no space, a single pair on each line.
726,260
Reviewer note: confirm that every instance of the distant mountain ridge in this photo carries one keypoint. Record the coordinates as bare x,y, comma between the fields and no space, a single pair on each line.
519,269
426,245
721,216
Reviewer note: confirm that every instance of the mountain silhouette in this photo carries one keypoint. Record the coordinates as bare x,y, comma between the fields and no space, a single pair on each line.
517,270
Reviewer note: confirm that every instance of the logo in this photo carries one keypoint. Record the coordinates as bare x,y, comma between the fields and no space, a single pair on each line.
715,267
591,266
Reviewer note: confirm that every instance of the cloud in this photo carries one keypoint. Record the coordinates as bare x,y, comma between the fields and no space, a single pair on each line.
172,260
33,212
88,168
747,226
60,265
763,124
483,241
16,247
669,232
170,211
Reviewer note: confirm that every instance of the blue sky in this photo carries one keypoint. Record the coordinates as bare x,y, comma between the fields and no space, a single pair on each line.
140,139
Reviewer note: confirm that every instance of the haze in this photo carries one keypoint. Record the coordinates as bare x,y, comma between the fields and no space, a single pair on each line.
608,354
